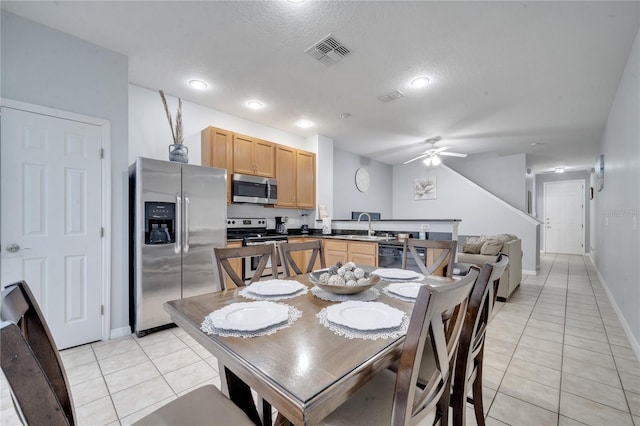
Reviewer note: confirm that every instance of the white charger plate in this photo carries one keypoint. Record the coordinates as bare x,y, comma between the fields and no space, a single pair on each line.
249,316
396,274
275,287
405,289
364,315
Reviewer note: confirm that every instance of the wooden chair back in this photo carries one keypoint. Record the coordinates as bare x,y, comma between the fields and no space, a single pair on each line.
31,361
433,257
468,366
222,266
429,331
289,264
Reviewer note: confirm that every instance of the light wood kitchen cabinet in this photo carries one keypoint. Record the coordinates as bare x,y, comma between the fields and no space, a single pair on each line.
335,251
363,253
305,180
286,176
252,156
236,264
296,175
360,252
217,151
302,258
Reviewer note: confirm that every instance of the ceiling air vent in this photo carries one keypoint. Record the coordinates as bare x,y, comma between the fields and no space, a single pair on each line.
391,96
328,50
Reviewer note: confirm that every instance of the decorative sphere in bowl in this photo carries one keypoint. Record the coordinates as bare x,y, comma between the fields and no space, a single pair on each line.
338,285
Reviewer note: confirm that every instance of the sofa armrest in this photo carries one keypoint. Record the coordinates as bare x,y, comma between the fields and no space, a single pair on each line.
513,277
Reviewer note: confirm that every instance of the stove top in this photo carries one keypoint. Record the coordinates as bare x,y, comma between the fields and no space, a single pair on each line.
251,229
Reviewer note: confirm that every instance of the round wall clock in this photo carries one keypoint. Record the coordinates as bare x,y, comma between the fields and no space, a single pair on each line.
362,179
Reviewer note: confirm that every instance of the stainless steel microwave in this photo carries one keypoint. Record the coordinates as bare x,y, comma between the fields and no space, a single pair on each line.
254,189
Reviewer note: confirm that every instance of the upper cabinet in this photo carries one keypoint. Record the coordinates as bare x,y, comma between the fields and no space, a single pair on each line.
306,180
294,169
253,156
296,176
217,151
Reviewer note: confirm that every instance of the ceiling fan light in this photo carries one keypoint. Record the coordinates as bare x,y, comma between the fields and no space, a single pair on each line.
436,161
427,161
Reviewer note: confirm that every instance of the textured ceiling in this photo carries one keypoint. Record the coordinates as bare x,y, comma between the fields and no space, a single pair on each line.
504,75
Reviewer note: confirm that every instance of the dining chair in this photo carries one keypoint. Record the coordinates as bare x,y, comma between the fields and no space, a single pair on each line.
468,365
221,256
39,386
432,257
394,398
288,262
31,362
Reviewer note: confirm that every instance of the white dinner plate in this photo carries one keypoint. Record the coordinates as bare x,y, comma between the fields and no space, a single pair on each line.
408,289
249,316
275,287
364,315
396,274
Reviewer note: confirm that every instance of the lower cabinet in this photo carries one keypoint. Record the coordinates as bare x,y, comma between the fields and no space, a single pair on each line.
235,263
302,258
360,252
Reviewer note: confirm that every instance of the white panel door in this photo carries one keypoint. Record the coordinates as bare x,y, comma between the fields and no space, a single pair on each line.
564,217
51,219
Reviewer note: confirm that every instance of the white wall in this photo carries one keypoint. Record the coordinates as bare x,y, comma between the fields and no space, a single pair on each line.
459,198
617,251
347,198
325,173
503,176
46,67
150,134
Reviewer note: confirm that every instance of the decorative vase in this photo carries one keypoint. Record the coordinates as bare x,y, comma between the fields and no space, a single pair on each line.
178,152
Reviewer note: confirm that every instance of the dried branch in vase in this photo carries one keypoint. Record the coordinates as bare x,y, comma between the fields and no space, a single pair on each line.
177,134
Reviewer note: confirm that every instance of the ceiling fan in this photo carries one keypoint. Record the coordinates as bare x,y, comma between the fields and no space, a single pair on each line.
432,155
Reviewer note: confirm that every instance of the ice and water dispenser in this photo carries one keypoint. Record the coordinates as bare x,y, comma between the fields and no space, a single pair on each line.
159,223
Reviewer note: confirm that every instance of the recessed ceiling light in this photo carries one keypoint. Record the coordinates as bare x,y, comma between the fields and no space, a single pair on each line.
198,84
559,170
420,82
255,104
295,1
304,124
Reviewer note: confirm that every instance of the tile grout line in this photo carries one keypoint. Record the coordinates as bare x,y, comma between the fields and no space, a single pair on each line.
512,355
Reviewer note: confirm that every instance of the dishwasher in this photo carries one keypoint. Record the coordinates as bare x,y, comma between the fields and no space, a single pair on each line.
390,256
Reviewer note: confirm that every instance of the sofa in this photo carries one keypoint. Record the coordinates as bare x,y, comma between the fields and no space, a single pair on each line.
483,249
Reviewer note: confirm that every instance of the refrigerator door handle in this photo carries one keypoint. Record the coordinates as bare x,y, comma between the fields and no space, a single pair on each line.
185,246
178,244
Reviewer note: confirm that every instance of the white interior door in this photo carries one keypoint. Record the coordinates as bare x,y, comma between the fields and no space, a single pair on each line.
564,217
52,218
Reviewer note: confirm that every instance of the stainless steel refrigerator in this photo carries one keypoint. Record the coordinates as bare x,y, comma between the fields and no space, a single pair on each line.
177,215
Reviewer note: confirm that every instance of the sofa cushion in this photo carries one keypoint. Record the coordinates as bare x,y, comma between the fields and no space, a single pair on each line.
475,259
491,247
472,245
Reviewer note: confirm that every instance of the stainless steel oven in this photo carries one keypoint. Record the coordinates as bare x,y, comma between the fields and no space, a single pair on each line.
251,263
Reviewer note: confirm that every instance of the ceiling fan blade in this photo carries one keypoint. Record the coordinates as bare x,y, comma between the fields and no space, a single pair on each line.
442,148
453,154
414,159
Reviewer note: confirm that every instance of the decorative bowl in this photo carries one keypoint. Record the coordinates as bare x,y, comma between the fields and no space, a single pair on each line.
372,280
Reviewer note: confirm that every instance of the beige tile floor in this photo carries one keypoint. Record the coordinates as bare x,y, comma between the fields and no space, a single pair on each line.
555,354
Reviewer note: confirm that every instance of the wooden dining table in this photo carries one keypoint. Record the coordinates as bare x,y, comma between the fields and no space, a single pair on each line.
305,370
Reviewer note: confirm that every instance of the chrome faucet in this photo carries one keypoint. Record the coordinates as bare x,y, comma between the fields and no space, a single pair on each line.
370,231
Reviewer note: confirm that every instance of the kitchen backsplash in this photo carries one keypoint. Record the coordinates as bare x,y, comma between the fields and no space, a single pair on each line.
296,218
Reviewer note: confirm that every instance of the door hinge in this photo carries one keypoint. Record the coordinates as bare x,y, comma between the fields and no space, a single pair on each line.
101,309
101,232
101,153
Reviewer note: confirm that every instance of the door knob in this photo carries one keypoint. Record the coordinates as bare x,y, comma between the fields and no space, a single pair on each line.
13,247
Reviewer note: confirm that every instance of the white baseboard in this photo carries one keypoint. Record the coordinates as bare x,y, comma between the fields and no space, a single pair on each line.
625,326
529,272
120,332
